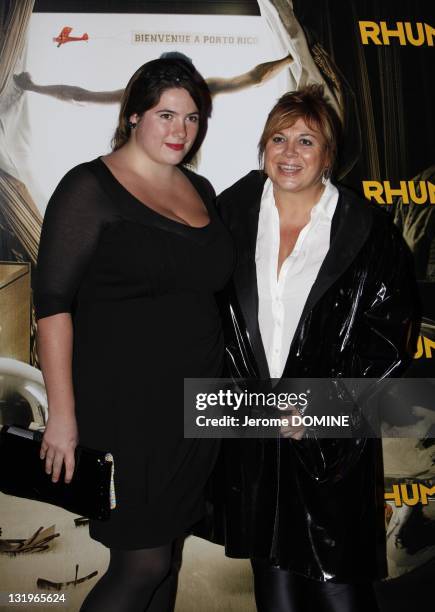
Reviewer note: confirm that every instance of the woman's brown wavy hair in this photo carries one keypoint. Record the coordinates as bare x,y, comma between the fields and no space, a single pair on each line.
144,91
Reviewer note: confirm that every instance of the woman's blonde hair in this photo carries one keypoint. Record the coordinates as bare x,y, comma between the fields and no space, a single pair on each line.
311,105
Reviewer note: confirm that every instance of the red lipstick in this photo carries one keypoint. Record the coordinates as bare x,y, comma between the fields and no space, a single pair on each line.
175,147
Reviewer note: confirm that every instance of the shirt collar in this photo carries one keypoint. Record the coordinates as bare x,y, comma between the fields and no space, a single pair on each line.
325,207
327,203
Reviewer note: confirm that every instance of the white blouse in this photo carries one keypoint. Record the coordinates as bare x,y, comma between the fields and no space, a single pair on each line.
281,301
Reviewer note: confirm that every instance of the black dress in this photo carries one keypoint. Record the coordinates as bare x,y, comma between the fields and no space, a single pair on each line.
140,288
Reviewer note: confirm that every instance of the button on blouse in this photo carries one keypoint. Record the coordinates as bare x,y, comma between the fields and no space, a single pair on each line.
281,299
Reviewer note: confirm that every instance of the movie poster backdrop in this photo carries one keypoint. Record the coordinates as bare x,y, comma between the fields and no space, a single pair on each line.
63,68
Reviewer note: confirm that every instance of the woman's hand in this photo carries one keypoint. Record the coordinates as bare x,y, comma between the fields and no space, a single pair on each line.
295,432
55,341
58,445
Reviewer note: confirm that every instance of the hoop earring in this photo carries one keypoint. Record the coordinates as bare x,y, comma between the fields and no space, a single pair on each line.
326,175
131,125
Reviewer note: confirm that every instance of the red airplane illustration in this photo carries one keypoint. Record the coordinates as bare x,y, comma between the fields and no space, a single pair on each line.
65,37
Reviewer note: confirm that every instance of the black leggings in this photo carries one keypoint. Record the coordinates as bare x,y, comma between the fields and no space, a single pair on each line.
138,581
278,590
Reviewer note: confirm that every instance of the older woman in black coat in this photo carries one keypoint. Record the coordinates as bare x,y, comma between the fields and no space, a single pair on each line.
323,287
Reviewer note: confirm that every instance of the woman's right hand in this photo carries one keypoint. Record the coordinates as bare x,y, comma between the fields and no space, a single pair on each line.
296,432
58,445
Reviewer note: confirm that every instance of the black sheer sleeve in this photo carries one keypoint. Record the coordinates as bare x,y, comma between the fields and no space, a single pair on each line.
75,215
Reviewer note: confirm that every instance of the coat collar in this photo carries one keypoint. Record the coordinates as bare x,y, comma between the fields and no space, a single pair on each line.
351,225
245,275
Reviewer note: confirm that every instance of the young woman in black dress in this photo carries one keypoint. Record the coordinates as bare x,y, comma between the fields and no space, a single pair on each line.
131,255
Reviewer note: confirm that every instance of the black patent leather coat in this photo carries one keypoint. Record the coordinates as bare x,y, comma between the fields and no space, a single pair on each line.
315,506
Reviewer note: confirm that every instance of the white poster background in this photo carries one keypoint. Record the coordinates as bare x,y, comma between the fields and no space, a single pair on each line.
63,134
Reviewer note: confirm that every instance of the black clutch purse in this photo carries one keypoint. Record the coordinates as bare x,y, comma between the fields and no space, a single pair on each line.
22,473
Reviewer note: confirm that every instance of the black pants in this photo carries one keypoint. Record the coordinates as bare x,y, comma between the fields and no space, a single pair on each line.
278,590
